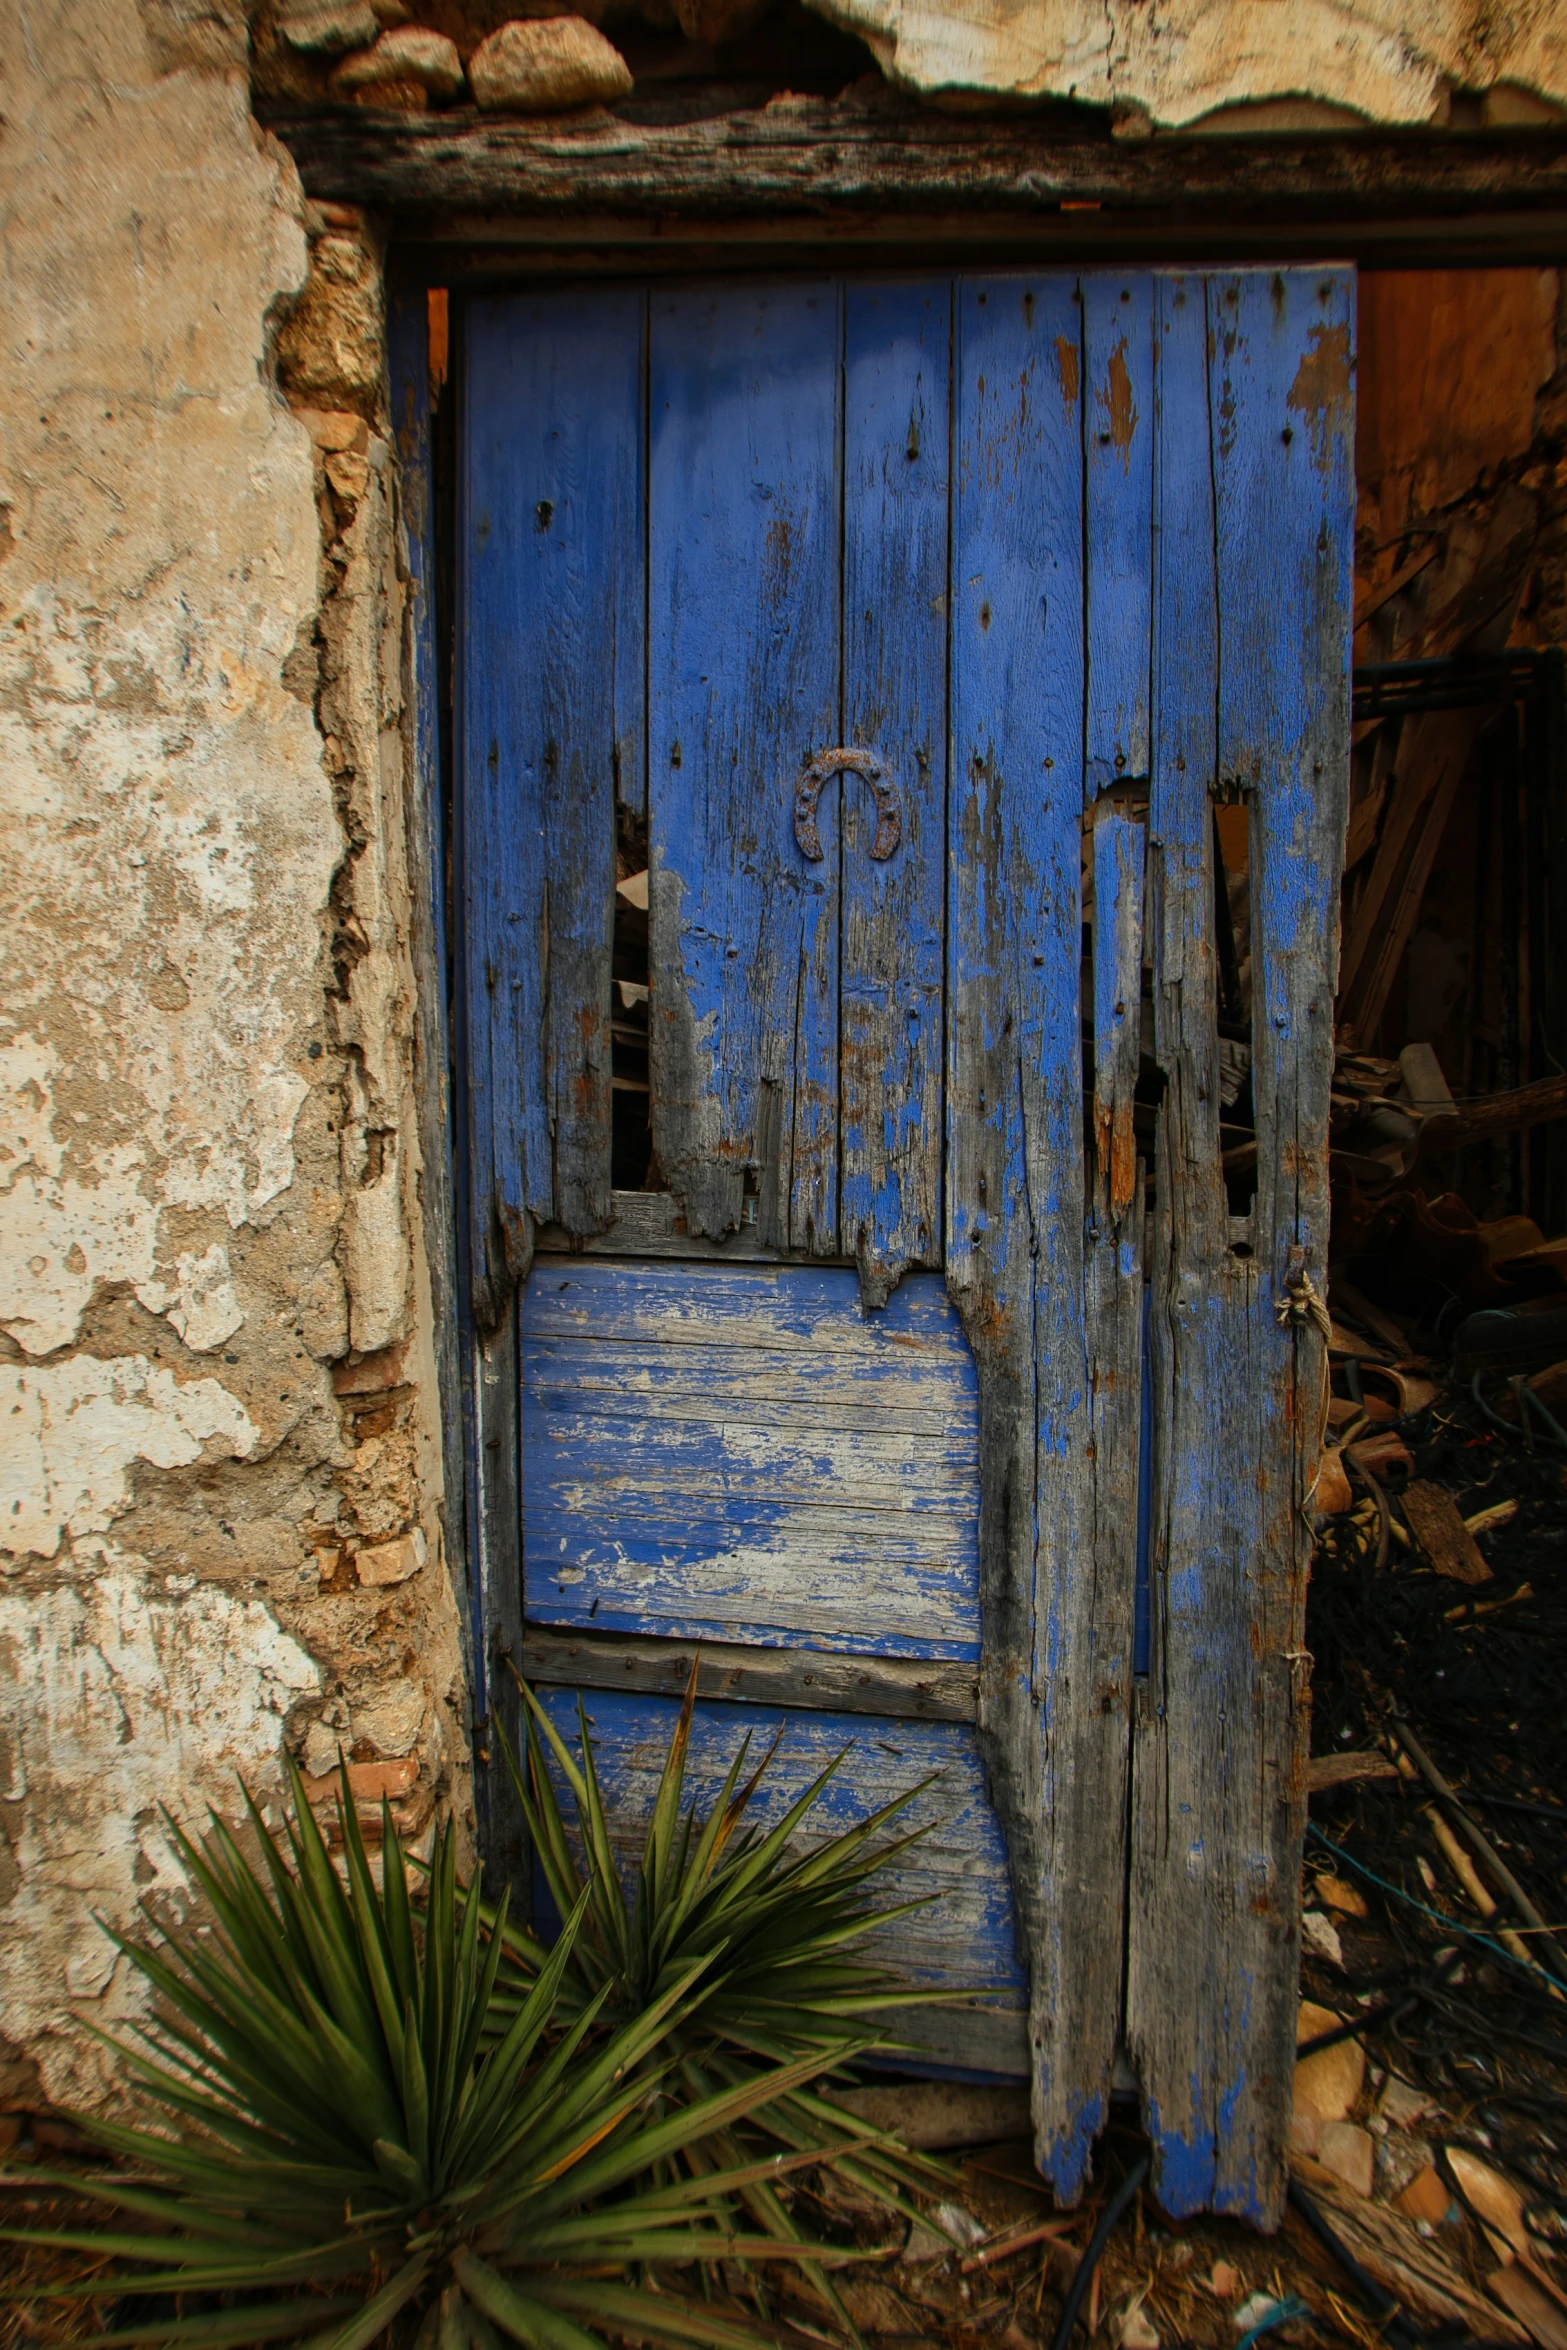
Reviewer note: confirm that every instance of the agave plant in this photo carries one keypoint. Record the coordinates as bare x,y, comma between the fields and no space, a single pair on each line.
347,2149
769,1937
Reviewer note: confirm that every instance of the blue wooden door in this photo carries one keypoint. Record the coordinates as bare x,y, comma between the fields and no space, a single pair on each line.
905,637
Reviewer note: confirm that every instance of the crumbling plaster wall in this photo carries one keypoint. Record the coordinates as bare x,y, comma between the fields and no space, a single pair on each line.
219,1467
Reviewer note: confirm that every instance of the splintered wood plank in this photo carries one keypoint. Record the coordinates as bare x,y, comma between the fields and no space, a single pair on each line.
550,549
1015,1197
931,1690
1118,851
1118,448
745,1454
499,1603
1101,1605
1432,1516
962,1937
412,396
1252,633
897,384
744,685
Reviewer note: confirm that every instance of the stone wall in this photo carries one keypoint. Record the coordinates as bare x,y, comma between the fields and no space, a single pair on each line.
220,1497
1260,64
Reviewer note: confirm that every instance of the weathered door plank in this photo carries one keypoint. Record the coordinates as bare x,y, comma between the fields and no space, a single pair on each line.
897,436
1252,599
836,1508
1100,1594
744,690
962,1936
1118,463
551,557
1015,1201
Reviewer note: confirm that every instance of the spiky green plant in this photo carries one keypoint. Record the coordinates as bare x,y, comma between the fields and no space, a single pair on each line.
771,1937
344,2144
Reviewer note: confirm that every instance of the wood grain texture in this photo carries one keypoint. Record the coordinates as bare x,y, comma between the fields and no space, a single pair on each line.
897,435
408,360
932,1691
1015,1203
653,1224
891,171
507,1860
550,549
962,1939
1118,471
718,1449
746,1455
1252,692
1100,1599
744,670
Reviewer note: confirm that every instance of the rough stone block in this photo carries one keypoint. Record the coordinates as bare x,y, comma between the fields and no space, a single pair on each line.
546,67
1346,2150
384,1563
406,54
328,28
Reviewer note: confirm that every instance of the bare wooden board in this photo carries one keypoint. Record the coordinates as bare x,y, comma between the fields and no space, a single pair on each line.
746,1455
931,1691
1327,1771
653,1224
499,1571
1433,1518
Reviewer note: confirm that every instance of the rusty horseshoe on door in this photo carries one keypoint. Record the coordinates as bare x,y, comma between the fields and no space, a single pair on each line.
808,791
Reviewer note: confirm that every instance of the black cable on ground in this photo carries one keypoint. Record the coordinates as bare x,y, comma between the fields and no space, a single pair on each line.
1096,2244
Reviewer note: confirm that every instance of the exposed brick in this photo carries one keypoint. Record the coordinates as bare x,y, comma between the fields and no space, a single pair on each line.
368,1781
370,1374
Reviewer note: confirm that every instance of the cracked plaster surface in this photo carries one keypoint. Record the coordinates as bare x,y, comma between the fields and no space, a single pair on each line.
206,1103
138,1688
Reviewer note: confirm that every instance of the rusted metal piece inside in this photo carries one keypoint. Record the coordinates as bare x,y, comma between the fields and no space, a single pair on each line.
808,792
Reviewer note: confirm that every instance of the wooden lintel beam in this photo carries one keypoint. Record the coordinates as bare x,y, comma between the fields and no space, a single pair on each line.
883,171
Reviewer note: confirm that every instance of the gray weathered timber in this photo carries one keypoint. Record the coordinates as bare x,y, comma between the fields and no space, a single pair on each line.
653,1224
1015,1177
507,1859
744,1454
891,171
408,356
1252,637
927,1690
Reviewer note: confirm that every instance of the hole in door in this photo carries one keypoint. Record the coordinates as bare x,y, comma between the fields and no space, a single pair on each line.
1232,925
1127,1004
631,1141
